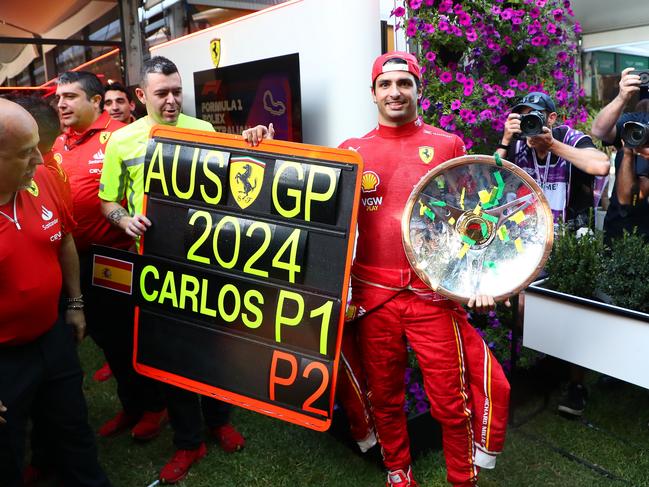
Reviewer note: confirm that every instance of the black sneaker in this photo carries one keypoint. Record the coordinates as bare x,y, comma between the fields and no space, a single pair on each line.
574,401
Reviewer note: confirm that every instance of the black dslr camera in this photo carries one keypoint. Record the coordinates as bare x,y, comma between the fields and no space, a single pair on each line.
635,134
644,77
532,123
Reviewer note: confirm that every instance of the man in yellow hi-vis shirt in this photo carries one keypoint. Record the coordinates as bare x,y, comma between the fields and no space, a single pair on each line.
161,91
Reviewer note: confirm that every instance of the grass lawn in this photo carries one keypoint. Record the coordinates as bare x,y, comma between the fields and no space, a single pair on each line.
610,447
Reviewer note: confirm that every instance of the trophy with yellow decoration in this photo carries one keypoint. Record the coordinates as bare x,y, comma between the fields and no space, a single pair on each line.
477,225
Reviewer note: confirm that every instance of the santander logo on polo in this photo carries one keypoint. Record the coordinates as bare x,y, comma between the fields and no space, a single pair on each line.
369,184
46,214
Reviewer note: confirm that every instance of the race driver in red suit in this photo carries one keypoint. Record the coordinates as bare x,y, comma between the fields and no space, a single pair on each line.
467,389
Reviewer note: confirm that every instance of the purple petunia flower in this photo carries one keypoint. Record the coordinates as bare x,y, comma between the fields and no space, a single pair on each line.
431,56
456,31
421,407
486,115
446,77
408,375
562,56
533,60
399,12
471,35
464,19
415,4
557,13
535,12
425,104
459,77
468,90
541,3
506,14
456,104
429,28
411,30
445,120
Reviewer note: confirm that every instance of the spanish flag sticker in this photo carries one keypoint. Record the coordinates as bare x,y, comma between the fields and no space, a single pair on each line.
112,274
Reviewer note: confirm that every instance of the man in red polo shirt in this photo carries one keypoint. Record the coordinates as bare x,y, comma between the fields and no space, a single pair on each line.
81,147
49,129
39,366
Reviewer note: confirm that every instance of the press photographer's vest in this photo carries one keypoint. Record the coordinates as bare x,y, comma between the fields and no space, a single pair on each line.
553,174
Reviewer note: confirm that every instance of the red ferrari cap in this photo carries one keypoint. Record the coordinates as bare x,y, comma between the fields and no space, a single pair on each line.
411,66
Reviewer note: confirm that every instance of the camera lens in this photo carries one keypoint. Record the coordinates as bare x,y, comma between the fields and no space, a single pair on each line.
635,134
644,78
532,123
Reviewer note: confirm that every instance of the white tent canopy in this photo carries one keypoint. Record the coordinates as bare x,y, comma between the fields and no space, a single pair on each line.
621,26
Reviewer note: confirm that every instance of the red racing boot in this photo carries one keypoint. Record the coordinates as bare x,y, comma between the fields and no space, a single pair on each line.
103,373
401,478
177,468
117,424
229,439
149,425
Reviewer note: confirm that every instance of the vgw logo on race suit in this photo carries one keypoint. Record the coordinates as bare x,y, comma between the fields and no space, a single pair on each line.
369,184
246,177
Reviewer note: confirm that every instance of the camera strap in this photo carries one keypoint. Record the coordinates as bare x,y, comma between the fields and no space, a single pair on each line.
541,180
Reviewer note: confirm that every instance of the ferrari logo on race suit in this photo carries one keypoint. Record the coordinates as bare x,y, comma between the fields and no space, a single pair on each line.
215,51
246,177
33,188
103,137
426,153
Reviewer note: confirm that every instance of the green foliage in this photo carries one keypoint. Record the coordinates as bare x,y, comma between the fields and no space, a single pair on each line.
495,328
576,262
625,273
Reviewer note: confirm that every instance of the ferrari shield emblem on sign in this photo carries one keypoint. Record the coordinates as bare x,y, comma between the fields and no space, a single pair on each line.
215,51
426,153
246,177
103,137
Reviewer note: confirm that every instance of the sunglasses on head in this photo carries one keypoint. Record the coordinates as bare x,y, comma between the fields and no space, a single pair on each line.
532,99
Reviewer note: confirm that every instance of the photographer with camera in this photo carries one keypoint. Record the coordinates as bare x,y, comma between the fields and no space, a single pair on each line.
612,126
561,160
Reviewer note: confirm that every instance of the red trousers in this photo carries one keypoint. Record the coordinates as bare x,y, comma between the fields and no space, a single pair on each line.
466,387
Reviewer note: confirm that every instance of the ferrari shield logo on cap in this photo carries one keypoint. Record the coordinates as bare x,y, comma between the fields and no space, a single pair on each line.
246,177
426,153
215,51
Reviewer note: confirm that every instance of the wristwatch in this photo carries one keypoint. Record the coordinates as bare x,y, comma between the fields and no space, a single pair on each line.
502,146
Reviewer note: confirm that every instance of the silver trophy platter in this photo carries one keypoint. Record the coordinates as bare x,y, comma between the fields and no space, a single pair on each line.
476,225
